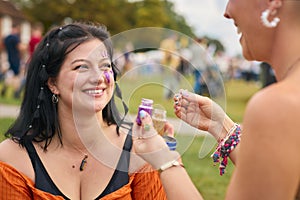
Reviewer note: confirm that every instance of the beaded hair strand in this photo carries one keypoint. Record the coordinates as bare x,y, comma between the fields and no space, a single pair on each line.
43,123
43,132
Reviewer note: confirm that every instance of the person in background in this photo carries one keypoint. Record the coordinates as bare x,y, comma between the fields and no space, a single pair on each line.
199,63
170,62
13,48
267,75
36,36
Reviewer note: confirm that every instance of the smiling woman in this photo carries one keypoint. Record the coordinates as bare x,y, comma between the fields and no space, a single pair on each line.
68,114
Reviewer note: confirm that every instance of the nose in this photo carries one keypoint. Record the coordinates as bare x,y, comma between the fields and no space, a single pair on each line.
97,77
226,13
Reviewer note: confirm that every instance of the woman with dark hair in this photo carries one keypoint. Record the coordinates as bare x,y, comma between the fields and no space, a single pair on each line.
69,140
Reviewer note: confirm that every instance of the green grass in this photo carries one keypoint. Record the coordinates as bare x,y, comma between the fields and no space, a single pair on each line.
8,98
4,125
202,172
151,87
238,93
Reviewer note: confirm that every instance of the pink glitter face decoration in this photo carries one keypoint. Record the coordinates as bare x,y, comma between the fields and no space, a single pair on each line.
107,75
104,54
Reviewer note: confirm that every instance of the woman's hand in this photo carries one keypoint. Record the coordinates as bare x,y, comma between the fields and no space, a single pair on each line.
202,113
149,145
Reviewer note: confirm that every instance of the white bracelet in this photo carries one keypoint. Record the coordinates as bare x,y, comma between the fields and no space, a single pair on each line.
173,163
231,130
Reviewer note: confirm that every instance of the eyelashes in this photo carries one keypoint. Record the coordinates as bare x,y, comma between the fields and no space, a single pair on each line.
103,67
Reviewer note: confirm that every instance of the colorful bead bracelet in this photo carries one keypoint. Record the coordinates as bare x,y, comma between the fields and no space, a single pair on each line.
226,146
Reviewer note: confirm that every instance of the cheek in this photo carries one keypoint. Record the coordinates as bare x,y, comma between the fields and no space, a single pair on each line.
109,76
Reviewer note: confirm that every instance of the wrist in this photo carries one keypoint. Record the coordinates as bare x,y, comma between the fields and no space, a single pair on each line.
163,158
168,165
226,146
227,127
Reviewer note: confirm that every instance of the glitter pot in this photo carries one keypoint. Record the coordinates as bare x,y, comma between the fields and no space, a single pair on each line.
145,105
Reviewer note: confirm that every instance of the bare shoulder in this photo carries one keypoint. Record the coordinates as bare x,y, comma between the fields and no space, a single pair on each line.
270,140
276,106
274,113
16,156
9,148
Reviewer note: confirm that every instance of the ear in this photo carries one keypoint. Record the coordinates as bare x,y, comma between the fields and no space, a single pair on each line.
51,82
274,5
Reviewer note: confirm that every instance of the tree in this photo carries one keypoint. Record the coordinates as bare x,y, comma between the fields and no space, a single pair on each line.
117,15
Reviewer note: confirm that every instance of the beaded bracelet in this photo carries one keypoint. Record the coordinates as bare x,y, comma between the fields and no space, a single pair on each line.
226,146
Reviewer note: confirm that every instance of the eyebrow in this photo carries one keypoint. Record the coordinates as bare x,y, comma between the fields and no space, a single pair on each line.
84,60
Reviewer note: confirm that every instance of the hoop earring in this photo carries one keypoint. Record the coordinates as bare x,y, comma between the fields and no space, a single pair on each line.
54,99
265,21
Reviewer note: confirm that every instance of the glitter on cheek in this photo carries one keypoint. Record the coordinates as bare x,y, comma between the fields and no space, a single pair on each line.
107,76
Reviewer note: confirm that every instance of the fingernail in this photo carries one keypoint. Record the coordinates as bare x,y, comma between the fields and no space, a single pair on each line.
177,96
185,93
142,114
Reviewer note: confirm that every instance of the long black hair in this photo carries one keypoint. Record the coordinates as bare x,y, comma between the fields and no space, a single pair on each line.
38,119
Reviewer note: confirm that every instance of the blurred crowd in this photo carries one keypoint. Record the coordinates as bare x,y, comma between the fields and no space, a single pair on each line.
209,67
175,58
14,58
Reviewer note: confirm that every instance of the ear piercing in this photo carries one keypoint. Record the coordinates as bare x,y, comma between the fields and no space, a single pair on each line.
264,18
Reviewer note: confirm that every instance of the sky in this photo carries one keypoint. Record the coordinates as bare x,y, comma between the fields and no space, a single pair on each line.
206,17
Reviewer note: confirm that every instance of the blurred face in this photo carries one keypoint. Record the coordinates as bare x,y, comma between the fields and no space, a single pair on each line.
85,82
256,40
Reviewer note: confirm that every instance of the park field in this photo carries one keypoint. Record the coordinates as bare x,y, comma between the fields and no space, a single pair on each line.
201,170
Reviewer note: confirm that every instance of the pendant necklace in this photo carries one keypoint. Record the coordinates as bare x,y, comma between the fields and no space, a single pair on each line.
83,162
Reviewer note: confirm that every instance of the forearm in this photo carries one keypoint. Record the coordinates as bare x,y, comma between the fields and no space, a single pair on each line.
178,184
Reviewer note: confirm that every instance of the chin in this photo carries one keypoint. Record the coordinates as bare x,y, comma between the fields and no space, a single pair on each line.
246,53
98,107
